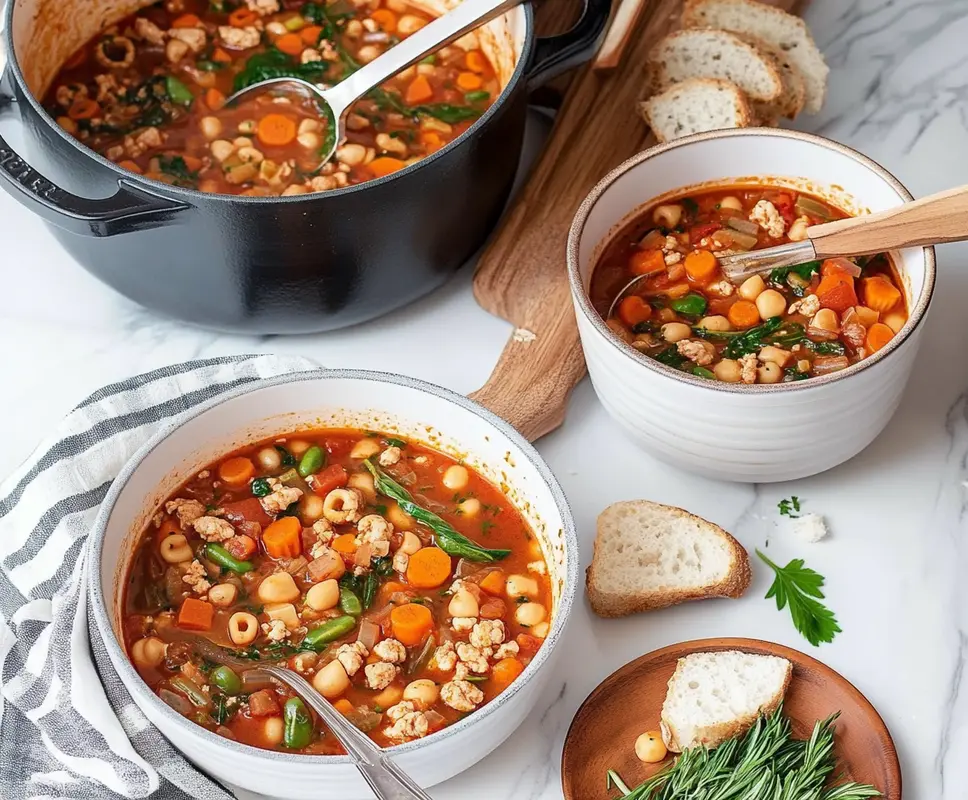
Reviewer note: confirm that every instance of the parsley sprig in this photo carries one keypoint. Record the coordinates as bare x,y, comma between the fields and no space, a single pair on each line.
789,508
799,587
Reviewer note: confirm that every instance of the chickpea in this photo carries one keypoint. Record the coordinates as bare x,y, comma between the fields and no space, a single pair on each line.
363,483
223,594
175,549
397,6
221,149
541,630
303,662
667,216
422,69
717,322
776,355
211,127
310,508
278,588
351,154
365,448
408,74
285,612
770,304
769,373
798,230
400,520
521,586
294,189
408,24
826,319
731,203
323,596
895,321
390,696
309,126
388,144
242,141
463,604
247,127
353,29
752,287
367,53
530,614
273,730
243,627
298,446
422,693
149,652
675,331
649,747
331,681
411,543
665,315
456,477
250,155
728,370
310,141
803,365
470,507
276,28
269,459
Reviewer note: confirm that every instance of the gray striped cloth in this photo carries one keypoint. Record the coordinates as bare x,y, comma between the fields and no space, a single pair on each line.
68,727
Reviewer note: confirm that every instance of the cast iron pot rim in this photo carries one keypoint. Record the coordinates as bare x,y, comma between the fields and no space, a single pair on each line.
154,186
136,685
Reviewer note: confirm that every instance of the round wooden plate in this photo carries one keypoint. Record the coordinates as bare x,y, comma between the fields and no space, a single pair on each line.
628,702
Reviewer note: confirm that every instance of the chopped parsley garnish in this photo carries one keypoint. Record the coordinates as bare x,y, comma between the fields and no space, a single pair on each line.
789,508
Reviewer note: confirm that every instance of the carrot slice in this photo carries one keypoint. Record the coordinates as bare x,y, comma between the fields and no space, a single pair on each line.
506,670
411,623
743,314
647,262
633,310
195,615
334,476
241,546
428,568
345,544
276,130
167,528
836,291
469,81
385,165
194,163
386,19
879,293
431,140
310,35
186,21
878,335
242,18
283,538
475,61
419,91
344,706
494,582
83,108
129,165
701,265
290,43
218,54
214,99
236,471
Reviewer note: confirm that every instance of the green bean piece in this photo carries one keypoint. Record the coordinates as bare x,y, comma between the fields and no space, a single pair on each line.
219,555
692,305
298,730
312,461
178,91
702,372
191,690
349,601
226,680
370,588
477,97
328,632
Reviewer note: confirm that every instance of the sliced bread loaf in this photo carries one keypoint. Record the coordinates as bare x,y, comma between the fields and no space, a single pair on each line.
794,94
721,55
784,31
650,556
694,106
713,697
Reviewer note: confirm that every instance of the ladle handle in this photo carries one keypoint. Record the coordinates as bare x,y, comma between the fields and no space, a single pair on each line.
467,16
935,219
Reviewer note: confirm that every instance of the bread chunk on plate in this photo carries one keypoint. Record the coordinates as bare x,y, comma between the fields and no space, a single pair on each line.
649,556
714,697
694,106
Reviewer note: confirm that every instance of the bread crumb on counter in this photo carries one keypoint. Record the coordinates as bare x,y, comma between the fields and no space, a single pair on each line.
809,528
523,335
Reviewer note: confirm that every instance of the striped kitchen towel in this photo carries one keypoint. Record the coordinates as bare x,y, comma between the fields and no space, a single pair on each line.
68,727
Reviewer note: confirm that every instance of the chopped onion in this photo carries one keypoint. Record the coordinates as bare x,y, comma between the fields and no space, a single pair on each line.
808,207
434,719
653,240
364,719
221,730
297,565
822,333
376,37
369,634
823,365
399,599
742,225
846,265
465,568
250,529
176,701
255,679
743,241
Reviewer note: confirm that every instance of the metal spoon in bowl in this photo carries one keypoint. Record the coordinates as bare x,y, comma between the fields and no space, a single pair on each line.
467,16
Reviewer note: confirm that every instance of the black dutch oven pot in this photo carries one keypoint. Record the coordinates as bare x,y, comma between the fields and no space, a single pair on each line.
289,264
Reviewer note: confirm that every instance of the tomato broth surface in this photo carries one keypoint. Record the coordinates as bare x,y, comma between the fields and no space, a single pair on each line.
149,93
793,324
400,583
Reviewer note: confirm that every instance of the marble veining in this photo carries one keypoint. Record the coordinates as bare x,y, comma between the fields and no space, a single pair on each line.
896,560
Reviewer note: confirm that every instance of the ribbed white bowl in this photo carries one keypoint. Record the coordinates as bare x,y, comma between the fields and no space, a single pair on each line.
756,433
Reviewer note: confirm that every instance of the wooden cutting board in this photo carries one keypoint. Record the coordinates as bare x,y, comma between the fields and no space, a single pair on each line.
521,275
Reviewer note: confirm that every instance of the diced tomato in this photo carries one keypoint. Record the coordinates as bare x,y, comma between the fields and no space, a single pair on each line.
334,476
241,547
836,291
250,510
697,232
263,704
786,206
528,644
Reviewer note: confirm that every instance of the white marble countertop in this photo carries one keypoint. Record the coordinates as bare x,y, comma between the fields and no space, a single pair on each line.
896,561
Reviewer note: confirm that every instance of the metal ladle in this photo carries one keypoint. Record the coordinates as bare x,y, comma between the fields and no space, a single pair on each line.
469,15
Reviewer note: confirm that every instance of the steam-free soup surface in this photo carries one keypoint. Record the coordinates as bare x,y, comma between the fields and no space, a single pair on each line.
149,93
405,587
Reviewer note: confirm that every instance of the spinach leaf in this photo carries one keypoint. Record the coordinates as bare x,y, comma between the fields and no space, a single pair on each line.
671,357
826,348
176,168
274,63
806,271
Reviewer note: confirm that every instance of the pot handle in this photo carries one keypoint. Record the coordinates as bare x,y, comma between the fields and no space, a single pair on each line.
129,209
554,55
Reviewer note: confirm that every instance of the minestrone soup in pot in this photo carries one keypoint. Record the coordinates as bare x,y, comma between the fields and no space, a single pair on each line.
404,587
796,323
149,93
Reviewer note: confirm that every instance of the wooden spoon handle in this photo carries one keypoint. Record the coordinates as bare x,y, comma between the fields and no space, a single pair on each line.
935,219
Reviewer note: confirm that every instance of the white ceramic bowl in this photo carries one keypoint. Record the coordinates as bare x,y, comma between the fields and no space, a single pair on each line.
736,432
334,398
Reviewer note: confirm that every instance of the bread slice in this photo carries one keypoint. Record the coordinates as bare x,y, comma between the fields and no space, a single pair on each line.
713,697
650,556
794,95
784,31
694,106
714,54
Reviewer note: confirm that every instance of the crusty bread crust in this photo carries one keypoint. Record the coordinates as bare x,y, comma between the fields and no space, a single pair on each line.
612,604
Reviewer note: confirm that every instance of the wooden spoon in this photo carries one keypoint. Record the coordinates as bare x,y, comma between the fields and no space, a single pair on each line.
935,219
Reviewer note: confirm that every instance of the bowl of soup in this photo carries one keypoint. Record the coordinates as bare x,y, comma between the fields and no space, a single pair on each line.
776,377
397,545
